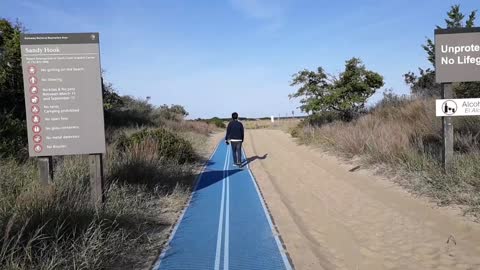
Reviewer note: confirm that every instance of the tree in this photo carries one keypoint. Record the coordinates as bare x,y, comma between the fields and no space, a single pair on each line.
13,131
172,113
217,122
424,84
179,110
111,100
347,94
454,20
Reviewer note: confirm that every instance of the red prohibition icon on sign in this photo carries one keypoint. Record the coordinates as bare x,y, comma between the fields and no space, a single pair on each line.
33,89
35,109
32,80
37,148
36,129
32,69
34,99
36,119
37,138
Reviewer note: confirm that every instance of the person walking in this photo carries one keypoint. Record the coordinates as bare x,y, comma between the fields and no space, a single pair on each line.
235,134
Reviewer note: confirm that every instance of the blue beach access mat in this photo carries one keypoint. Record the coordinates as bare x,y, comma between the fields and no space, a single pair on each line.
226,224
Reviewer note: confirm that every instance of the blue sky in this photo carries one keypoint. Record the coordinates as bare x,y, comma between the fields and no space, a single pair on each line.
219,56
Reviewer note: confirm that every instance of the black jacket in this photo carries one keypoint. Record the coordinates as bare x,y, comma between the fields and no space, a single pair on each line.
234,131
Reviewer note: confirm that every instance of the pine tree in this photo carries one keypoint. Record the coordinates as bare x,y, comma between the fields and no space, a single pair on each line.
424,83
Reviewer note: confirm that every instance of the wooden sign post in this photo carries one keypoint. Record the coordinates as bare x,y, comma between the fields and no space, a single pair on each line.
45,167
447,127
95,162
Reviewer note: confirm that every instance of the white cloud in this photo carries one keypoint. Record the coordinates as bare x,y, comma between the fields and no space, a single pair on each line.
271,12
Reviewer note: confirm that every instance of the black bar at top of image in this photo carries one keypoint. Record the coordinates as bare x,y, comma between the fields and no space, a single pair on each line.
59,38
457,30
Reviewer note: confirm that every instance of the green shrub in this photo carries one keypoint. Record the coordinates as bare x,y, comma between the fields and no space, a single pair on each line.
127,118
322,118
164,144
217,122
13,137
295,131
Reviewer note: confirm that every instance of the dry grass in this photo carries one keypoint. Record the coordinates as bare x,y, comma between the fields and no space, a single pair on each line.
141,164
198,141
197,127
57,227
284,124
406,137
53,227
383,135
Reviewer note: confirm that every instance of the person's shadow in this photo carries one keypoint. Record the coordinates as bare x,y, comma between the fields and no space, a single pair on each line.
251,159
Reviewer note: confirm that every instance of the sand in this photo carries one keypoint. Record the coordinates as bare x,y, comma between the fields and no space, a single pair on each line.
330,218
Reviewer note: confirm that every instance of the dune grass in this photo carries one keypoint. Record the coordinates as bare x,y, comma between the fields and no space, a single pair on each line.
57,227
404,136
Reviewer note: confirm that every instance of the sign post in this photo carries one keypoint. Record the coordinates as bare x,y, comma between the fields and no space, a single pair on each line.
447,126
45,166
63,99
457,59
96,179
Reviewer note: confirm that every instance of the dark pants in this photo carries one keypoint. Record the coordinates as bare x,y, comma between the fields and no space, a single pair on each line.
237,152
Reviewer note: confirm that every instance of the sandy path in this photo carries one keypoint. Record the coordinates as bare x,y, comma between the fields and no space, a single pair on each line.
331,218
